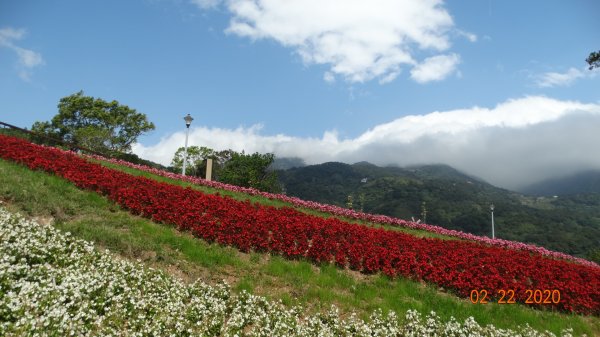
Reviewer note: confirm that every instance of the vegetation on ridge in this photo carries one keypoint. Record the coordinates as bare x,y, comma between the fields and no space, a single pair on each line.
442,196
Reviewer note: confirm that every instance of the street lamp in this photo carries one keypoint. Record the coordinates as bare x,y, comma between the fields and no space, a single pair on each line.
492,210
188,120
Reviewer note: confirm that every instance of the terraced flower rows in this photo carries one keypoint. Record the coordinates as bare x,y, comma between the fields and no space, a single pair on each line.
52,284
353,214
457,265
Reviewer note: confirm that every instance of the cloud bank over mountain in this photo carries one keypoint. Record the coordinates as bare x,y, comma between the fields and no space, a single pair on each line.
515,143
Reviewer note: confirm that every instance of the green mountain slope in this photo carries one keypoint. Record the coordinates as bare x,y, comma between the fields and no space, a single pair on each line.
582,182
443,196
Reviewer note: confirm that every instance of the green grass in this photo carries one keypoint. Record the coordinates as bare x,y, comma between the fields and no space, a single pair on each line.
316,287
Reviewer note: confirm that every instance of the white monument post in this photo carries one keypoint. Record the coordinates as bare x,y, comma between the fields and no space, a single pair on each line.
209,169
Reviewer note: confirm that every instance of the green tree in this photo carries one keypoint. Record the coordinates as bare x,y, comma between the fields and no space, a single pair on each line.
196,159
92,137
594,60
96,124
250,170
594,255
240,169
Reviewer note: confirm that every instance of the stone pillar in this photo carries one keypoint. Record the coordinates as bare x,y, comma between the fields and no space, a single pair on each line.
209,169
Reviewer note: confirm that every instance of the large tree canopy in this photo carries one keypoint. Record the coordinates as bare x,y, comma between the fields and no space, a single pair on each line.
251,170
96,124
594,60
196,160
247,170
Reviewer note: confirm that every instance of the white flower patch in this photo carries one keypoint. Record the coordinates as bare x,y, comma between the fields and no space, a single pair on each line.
52,284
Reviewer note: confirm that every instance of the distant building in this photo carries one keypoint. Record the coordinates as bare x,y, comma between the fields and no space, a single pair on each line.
363,180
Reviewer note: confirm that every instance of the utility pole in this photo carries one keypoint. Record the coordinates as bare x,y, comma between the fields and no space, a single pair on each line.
492,210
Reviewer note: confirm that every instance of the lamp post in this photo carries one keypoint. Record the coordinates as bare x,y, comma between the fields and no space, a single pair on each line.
492,210
188,120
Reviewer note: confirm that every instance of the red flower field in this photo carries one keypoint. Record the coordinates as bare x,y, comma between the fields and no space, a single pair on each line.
458,265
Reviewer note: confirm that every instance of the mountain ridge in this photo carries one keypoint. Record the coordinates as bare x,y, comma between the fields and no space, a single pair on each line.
586,181
441,195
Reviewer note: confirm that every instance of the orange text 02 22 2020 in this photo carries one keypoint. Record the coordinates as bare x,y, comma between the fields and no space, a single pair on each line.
508,296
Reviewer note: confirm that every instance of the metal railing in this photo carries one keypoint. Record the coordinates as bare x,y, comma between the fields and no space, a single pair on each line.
44,139
51,140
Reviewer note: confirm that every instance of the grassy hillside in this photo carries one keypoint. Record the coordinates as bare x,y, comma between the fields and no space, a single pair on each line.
117,297
92,217
453,200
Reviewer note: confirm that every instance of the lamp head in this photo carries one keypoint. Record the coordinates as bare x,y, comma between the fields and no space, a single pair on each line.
188,120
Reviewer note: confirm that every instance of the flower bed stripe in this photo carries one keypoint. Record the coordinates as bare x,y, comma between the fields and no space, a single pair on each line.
344,212
457,265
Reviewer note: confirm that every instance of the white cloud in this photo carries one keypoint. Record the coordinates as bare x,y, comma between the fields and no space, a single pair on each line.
469,36
435,68
27,59
360,40
329,77
517,142
553,79
7,34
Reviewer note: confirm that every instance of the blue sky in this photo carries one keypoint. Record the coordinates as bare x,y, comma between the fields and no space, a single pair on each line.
386,81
